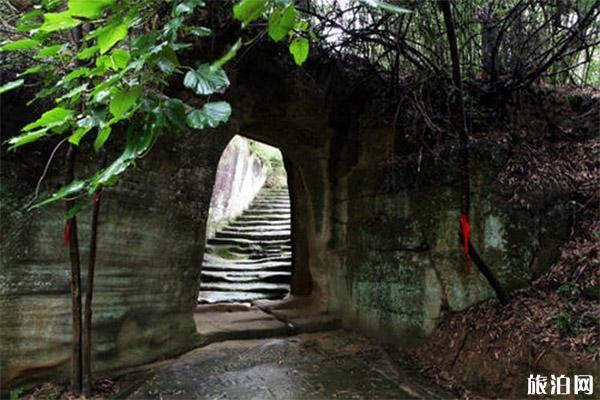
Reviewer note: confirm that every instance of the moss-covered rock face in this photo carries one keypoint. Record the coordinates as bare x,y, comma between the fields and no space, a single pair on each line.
404,267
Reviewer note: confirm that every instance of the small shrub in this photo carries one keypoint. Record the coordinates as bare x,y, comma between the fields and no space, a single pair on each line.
15,393
566,324
569,289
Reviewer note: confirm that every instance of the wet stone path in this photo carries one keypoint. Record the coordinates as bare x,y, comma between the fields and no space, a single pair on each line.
329,365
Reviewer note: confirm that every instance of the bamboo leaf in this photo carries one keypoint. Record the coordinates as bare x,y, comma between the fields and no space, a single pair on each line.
385,6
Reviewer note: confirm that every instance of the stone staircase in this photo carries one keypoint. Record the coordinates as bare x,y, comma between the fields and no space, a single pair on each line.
251,257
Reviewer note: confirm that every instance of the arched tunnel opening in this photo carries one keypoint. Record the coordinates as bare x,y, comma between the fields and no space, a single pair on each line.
248,251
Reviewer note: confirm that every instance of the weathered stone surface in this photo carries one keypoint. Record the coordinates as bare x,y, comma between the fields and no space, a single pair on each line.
404,268
240,176
311,366
150,243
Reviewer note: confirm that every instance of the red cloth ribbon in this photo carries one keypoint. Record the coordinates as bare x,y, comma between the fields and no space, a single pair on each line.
465,230
97,198
67,232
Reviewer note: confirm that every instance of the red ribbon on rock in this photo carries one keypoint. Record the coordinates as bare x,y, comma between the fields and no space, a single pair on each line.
67,232
465,231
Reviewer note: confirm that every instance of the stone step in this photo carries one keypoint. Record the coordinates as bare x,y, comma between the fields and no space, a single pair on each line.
260,287
272,203
248,243
234,267
211,297
266,216
261,224
209,258
283,190
269,209
252,254
247,276
257,230
258,227
255,237
271,199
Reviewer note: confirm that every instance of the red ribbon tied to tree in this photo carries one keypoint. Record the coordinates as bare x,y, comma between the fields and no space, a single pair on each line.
465,231
67,232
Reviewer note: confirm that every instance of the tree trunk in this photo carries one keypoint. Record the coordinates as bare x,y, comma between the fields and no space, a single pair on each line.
459,122
87,313
71,238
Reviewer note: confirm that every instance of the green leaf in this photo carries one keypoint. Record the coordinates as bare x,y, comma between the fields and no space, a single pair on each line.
168,61
11,85
89,9
31,15
206,80
69,190
119,59
111,34
28,137
299,49
228,56
73,94
58,21
50,51
33,70
249,10
182,8
102,137
211,114
138,141
200,31
18,45
87,53
73,211
124,101
174,111
76,73
27,27
144,42
281,22
385,6
50,119
79,133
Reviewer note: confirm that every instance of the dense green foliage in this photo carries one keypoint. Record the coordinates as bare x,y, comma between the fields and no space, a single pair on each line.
106,64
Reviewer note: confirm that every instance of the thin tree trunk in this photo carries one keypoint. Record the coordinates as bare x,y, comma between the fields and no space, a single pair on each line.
460,124
87,312
71,237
